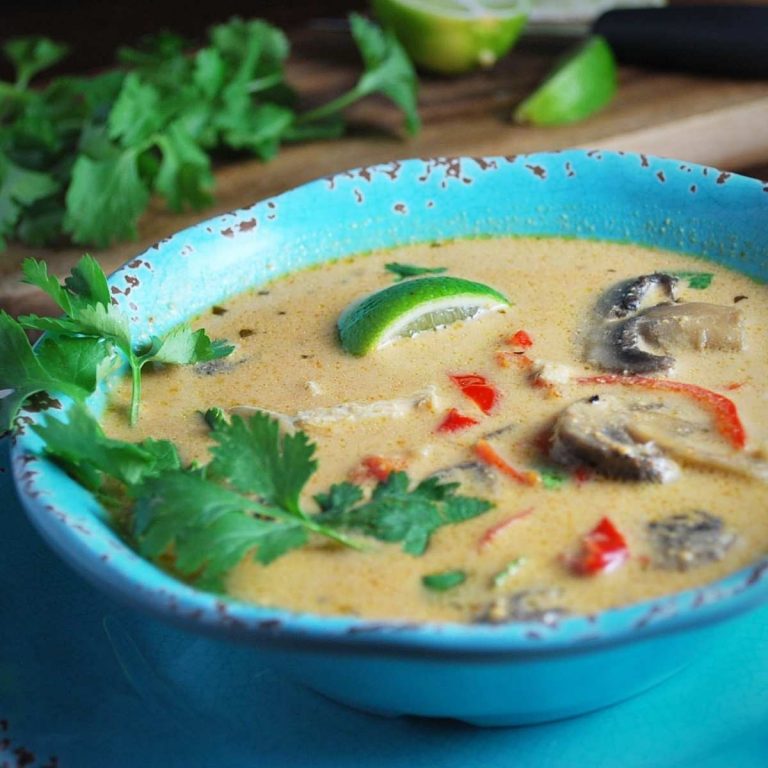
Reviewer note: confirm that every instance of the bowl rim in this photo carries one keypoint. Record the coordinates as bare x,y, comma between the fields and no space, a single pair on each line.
112,565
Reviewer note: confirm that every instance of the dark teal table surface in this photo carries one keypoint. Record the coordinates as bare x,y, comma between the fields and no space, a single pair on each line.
87,683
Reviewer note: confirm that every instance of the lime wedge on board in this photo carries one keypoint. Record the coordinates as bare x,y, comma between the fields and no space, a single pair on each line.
454,36
580,85
411,307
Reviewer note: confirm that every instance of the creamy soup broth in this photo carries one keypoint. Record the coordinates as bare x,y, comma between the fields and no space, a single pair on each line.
288,359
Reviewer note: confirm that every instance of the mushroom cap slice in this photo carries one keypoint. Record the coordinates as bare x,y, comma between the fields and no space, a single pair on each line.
692,325
594,431
688,539
627,297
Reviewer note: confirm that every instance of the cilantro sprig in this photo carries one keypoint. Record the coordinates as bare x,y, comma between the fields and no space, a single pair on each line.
246,500
68,360
81,156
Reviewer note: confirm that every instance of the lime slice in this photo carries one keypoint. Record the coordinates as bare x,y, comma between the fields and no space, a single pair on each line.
454,36
580,85
411,307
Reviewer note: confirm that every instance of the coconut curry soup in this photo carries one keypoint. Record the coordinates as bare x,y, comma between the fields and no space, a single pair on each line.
503,430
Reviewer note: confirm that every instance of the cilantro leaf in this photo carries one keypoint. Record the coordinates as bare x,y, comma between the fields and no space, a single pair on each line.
20,188
411,270
396,513
89,312
184,175
552,479
443,581
82,447
22,373
255,458
697,280
31,55
105,199
81,156
388,69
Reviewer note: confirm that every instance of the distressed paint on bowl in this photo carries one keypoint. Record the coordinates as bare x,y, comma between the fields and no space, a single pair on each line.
489,675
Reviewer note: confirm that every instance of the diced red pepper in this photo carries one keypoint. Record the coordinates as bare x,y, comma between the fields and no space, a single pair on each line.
520,339
487,453
603,549
455,421
377,468
490,535
724,410
477,389
582,475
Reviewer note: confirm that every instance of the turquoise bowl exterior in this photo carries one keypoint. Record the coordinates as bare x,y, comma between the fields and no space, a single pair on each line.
489,675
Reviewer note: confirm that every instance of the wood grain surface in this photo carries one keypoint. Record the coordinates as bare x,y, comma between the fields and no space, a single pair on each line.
714,121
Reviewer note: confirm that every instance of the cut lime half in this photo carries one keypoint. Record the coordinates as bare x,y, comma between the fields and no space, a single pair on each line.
454,36
580,85
412,307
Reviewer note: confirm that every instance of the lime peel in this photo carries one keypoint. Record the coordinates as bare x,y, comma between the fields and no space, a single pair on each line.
454,36
406,309
581,84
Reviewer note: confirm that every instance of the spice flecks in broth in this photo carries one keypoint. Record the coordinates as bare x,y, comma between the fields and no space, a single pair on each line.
293,363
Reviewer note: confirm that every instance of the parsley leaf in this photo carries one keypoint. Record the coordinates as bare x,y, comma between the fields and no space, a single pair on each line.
89,312
411,270
552,479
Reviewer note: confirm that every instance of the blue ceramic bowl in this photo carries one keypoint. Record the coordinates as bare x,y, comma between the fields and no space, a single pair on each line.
490,675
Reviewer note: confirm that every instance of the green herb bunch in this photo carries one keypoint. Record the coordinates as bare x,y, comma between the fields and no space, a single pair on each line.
81,156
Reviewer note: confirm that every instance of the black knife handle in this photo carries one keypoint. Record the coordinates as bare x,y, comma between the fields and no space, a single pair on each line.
727,40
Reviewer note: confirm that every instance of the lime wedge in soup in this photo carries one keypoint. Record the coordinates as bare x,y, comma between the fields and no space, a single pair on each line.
411,307
580,85
454,36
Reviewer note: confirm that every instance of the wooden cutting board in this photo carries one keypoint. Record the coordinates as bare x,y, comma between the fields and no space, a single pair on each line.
719,122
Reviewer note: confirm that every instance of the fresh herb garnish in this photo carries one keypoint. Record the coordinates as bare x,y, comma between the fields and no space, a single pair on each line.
443,581
552,479
397,513
85,337
404,271
246,499
507,572
80,157
696,280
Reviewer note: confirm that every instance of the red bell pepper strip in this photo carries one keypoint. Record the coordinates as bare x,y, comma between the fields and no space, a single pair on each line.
603,549
455,421
724,410
487,453
520,339
491,534
477,388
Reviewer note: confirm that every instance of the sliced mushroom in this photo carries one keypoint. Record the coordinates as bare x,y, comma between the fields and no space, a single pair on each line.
541,604
692,325
595,432
628,297
640,439
469,474
689,539
632,338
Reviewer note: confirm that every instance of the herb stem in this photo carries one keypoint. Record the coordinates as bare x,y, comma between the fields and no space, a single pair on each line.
333,106
135,389
262,83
